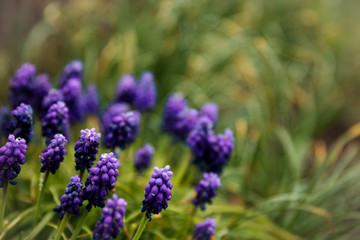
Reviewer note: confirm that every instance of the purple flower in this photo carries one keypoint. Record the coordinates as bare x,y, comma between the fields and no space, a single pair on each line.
72,199
22,85
205,230
174,109
53,96
122,130
211,111
12,155
53,154
41,89
126,89
146,93
56,121
22,122
5,121
91,99
158,191
206,189
74,69
112,111
111,219
72,98
101,178
143,157
86,149
186,123
210,152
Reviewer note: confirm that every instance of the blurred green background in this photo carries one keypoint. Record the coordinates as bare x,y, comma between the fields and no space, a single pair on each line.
284,74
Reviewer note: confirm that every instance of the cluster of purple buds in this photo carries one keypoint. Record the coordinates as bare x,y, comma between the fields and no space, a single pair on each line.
112,111
178,118
72,92
41,89
205,230
206,189
54,154
143,157
86,149
72,199
56,121
158,191
22,85
126,89
22,122
211,111
53,96
74,69
121,130
101,178
5,121
91,99
111,219
211,152
146,93
12,155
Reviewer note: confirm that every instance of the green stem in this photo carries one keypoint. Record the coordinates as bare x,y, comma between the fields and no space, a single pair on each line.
141,228
42,182
185,162
189,220
2,206
81,175
62,226
80,224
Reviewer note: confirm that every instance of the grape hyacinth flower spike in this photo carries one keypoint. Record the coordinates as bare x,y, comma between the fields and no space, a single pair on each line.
205,230
73,69
72,199
101,178
22,122
210,110
72,98
86,149
206,189
146,93
126,89
157,192
173,109
41,89
56,121
143,157
111,219
53,154
91,99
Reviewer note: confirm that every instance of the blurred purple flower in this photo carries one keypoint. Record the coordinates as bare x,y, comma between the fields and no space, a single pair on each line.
211,111
73,69
143,157
206,189
205,230
126,89
146,93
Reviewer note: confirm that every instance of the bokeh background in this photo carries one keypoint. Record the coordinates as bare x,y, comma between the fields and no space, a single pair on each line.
285,75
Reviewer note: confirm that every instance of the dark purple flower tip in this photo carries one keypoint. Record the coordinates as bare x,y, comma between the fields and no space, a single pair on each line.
111,219
121,130
206,189
126,89
5,121
22,122
74,69
205,230
41,89
56,121
12,155
173,110
146,93
53,96
211,111
186,123
54,154
101,178
112,111
86,149
211,152
143,157
72,199
158,191
22,85
91,99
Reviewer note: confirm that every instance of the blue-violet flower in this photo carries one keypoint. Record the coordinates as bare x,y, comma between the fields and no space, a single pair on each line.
206,189
205,230
86,149
53,154
143,157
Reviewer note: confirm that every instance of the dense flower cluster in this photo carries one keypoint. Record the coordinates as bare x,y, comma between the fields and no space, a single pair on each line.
146,92
86,149
72,199
22,85
22,122
56,121
42,87
111,219
54,154
126,89
91,100
101,178
72,92
206,189
74,69
158,191
121,130
112,111
205,230
211,111
143,157
12,155
211,152
52,97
